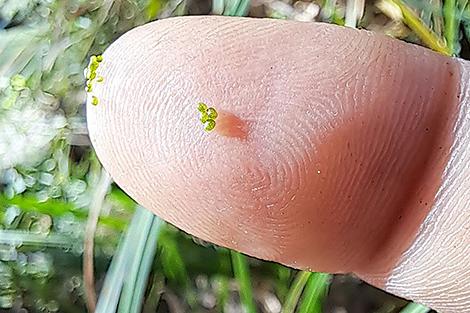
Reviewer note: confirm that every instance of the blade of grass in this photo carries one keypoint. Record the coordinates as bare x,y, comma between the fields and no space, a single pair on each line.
243,8
18,47
18,237
466,21
154,294
427,36
135,260
242,275
222,292
141,264
327,10
315,293
415,308
461,6
283,278
109,297
122,199
437,18
146,265
172,262
295,291
231,7
466,13
56,208
218,7
337,17
153,7
426,14
354,12
451,24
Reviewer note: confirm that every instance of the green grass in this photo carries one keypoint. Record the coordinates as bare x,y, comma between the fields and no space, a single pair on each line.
57,208
313,288
295,291
419,27
116,276
315,293
451,25
242,275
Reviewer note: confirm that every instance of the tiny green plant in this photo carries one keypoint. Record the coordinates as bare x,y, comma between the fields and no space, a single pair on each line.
208,116
91,75
94,100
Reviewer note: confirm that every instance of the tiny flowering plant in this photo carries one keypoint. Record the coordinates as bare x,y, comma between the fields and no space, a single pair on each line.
208,116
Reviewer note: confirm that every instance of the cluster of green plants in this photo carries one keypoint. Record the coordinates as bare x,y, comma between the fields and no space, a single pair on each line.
70,239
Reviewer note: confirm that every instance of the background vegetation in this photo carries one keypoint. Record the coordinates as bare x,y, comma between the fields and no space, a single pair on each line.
72,241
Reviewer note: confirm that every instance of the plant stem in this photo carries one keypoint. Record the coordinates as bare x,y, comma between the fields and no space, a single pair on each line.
427,36
142,260
450,25
15,237
112,287
242,275
295,291
327,10
354,12
56,208
314,293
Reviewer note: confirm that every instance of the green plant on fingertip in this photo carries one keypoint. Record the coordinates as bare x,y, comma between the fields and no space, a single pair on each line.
208,116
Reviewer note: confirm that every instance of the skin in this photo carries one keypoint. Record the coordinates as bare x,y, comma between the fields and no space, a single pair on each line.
330,144
230,125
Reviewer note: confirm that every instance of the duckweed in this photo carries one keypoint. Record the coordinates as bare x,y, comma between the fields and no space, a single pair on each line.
91,76
208,116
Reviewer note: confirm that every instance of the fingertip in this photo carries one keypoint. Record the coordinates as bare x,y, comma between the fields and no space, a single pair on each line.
318,155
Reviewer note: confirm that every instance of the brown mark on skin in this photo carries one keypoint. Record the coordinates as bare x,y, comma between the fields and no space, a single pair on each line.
230,125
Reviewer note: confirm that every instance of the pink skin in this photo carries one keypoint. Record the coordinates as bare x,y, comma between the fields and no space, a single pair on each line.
230,125
328,151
